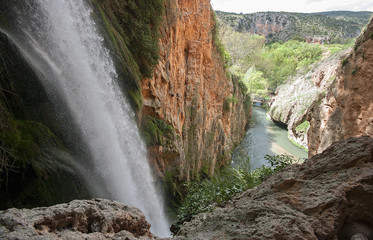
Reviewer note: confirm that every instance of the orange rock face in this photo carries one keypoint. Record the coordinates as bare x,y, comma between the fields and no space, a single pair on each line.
347,109
190,91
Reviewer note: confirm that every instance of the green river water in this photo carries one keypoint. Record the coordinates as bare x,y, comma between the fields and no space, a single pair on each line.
262,138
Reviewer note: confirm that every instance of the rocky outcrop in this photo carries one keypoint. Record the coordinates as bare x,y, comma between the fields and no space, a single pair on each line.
347,108
194,110
329,196
293,99
79,219
324,27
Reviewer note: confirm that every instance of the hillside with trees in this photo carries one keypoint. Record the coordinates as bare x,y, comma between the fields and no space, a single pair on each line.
323,27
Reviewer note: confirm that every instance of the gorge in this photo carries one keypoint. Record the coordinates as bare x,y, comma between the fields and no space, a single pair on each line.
135,101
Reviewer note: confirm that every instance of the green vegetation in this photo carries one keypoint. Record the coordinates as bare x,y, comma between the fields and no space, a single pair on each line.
156,131
345,61
206,194
34,163
138,23
371,35
35,167
219,44
354,71
262,68
329,27
303,126
132,29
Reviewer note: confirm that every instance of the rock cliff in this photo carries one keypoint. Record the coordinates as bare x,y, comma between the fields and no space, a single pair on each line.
294,99
347,108
323,27
194,110
329,196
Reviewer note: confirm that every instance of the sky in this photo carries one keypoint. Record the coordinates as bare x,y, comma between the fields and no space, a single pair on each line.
250,6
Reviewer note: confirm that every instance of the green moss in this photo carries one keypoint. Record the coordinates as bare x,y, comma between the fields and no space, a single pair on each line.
156,131
42,171
371,35
226,105
137,22
354,71
344,62
173,188
128,69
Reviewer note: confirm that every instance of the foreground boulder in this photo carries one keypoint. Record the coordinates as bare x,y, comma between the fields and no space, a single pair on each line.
79,219
329,196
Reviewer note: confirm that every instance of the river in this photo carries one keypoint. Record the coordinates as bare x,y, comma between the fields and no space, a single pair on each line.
262,138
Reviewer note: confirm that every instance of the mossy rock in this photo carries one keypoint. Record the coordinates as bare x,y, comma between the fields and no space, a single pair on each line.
156,131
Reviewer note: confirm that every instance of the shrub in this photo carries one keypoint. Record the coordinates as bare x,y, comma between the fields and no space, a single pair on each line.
207,194
344,62
303,126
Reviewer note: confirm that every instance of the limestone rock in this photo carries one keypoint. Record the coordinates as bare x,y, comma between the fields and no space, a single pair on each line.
79,219
294,99
347,108
189,91
327,197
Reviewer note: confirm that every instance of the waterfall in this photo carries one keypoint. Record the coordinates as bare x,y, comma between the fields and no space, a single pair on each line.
61,41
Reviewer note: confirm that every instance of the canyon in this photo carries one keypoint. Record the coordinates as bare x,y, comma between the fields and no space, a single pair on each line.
191,114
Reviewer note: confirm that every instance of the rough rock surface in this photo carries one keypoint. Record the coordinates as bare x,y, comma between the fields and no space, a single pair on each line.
79,219
329,196
293,99
347,108
190,92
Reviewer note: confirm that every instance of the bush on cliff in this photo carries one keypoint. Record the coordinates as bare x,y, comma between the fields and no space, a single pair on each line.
207,194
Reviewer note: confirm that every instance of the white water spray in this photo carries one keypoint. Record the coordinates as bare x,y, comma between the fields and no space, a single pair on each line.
61,41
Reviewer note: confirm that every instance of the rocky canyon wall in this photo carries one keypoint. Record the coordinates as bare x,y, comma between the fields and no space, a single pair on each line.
294,99
194,110
347,108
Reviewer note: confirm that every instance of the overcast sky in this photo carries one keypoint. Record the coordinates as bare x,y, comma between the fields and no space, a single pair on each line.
250,6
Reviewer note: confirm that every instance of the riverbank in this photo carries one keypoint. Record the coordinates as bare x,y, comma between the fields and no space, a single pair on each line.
265,137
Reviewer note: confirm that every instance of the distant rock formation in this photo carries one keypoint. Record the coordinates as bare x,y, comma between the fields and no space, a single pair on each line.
323,27
327,197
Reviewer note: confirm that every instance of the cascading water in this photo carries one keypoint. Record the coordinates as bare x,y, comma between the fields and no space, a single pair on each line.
60,40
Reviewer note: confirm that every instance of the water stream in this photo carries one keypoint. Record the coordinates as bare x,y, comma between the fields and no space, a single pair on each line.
265,137
60,40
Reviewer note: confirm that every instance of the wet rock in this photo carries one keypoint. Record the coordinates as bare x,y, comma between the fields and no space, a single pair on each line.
79,219
318,199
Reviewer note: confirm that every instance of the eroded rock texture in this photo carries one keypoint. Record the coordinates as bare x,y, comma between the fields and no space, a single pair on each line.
327,197
79,219
190,92
294,99
347,108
